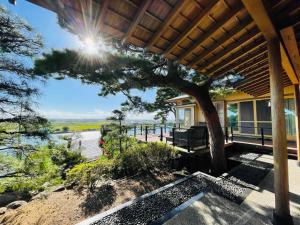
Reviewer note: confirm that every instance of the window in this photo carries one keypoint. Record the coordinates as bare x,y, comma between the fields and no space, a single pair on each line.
289,110
247,117
232,115
184,117
263,112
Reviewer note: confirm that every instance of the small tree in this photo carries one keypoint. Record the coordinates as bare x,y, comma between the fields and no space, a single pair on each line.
118,115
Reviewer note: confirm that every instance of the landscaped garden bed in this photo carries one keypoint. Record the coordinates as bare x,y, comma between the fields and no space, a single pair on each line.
235,186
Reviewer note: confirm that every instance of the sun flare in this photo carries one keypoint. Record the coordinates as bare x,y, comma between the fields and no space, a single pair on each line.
92,46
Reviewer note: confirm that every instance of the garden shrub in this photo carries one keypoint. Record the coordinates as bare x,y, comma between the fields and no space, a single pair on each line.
37,171
88,173
139,158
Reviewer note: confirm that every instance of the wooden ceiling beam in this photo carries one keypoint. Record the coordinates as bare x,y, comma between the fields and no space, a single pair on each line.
167,21
256,44
245,38
262,19
103,10
262,81
250,80
242,61
262,60
191,26
255,69
221,41
209,32
291,46
263,86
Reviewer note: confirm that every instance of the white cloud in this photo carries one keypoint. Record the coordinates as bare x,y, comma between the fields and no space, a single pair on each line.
95,114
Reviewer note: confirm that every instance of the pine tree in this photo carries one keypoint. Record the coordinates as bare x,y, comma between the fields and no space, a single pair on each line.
126,68
18,45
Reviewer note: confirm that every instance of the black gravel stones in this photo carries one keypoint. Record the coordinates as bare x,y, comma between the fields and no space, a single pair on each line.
235,186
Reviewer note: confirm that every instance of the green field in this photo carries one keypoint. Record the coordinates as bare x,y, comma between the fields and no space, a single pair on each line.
60,126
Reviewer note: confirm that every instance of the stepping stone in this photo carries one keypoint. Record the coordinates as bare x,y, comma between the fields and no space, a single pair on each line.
16,204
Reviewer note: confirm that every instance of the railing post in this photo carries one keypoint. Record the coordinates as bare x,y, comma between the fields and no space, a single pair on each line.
153,128
173,136
179,126
165,128
161,133
189,139
146,133
262,136
141,129
134,130
231,130
226,134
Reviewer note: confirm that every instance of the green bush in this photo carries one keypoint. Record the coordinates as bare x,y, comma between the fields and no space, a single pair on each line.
145,157
139,158
39,170
87,174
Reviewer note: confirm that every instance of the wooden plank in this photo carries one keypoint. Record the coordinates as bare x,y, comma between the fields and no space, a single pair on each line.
220,41
136,20
246,37
166,23
191,27
291,46
253,79
215,69
297,119
209,32
262,19
246,60
103,10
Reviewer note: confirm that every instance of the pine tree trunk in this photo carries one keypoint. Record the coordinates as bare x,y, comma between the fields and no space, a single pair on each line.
216,134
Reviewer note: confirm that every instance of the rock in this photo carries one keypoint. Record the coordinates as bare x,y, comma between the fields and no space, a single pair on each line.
46,184
2,210
59,188
16,204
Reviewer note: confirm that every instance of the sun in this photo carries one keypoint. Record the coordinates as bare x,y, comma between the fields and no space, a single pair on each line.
92,46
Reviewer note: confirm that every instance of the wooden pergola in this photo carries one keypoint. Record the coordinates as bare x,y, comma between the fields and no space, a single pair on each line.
259,39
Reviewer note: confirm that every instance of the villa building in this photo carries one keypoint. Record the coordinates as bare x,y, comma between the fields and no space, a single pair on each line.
245,114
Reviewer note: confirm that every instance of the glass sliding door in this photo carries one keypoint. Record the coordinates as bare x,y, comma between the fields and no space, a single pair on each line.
263,112
289,109
184,117
232,116
247,117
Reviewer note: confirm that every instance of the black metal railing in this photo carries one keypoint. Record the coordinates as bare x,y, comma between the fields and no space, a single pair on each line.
260,133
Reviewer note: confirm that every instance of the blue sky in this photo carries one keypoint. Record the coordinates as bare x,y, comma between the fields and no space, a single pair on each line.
67,99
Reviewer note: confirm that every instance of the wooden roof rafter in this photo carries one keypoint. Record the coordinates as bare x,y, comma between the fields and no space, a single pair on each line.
247,37
209,32
191,27
242,61
166,23
215,69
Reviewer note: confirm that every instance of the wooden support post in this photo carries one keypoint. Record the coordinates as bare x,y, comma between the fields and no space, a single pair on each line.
141,129
297,119
146,133
262,136
281,213
226,134
161,134
173,136
134,130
